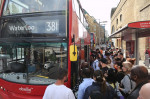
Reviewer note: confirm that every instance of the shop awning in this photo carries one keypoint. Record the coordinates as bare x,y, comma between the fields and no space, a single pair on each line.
141,27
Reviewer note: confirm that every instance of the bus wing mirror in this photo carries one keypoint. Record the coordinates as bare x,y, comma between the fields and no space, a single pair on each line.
73,53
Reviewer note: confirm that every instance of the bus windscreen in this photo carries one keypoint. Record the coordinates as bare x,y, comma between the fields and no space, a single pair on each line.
32,63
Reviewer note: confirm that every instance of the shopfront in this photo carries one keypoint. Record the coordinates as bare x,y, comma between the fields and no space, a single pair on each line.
135,40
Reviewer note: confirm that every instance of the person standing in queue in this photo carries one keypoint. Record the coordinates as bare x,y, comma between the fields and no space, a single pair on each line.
87,81
99,89
126,85
59,90
104,66
95,64
139,74
120,55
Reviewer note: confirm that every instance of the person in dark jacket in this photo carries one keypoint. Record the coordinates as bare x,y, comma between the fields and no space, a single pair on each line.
99,89
120,55
104,67
139,74
120,74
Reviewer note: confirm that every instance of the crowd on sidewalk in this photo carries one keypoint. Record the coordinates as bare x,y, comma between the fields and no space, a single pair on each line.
115,77
108,75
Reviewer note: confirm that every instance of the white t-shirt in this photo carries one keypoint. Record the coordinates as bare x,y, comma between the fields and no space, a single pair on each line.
58,92
95,65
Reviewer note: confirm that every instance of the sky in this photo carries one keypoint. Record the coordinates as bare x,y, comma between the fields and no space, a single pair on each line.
100,10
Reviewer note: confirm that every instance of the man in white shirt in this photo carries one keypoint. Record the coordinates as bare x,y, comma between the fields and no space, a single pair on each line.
59,90
95,64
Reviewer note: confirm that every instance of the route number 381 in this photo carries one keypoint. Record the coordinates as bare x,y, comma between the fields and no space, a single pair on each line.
52,26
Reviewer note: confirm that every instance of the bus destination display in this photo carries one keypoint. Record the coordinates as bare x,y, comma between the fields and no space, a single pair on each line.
43,26
34,25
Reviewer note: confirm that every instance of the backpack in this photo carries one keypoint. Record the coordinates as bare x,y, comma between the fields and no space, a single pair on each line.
96,94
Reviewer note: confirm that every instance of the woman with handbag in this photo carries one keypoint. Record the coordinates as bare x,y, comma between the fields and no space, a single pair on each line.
127,85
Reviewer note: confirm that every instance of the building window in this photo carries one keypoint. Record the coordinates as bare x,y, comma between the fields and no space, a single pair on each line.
120,17
112,29
117,21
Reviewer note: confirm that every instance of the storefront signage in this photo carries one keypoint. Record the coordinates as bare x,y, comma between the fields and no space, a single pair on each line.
142,24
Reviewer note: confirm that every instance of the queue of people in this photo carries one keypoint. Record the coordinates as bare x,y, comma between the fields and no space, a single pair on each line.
108,75
115,77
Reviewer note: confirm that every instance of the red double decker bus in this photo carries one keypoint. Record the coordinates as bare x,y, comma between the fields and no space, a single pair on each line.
36,38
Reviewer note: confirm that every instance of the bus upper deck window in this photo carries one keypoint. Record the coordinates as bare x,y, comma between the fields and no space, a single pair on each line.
30,6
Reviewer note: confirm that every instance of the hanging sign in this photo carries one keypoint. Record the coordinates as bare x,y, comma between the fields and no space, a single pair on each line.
142,24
